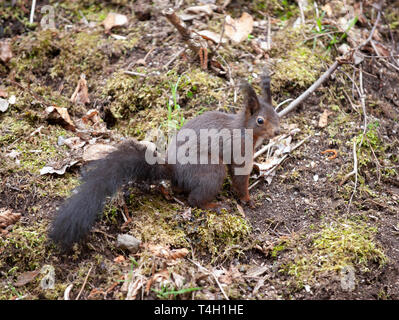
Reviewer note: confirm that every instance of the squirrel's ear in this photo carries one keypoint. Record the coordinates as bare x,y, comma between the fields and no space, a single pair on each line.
251,102
265,84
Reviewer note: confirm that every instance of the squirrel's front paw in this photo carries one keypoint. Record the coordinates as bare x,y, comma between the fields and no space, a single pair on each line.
248,202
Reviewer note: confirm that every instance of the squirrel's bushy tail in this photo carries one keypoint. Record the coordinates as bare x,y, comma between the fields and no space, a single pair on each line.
102,179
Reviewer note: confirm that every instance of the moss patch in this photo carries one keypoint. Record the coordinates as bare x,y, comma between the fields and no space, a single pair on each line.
337,245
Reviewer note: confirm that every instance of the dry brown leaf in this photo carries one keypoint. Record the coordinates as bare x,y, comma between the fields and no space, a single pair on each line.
3,94
91,116
74,143
178,253
119,259
241,210
163,275
323,121
165,252
238,30
228,276
256,271
207,9
382,50
5,51
7,218
81,93
61,116
210,35
327,8
26,277
114,20
97,151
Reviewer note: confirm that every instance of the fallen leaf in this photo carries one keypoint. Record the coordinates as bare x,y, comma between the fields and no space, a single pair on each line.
207,9
26,277
97,151
61,116
238,30
165,252
114,20
3,94
74,143
210,35
91,115
81,93
228,276
7,217
61,171
119,259
241,210
323,121
382,50
327,8
5,51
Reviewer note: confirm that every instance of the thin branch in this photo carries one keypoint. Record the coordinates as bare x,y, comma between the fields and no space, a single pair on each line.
311,89
278,163
354,172
175,56
84,283
214,276
32,11
191,39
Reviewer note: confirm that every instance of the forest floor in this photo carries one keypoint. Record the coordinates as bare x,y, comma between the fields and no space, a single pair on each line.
316,232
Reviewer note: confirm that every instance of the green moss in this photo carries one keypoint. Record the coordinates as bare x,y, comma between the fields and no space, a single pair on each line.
300,67
24,248
222,232
154,220
337,245
132,96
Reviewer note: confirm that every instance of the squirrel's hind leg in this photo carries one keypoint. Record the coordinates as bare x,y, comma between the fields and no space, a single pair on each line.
207,186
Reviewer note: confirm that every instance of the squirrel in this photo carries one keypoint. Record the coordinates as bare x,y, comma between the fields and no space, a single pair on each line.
201,182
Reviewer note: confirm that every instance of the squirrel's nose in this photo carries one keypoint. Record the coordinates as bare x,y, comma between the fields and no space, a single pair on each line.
277,131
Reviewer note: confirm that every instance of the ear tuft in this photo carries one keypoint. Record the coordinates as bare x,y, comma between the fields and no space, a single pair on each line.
265,84
251,102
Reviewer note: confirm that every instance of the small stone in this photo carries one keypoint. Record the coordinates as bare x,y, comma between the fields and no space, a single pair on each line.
126,241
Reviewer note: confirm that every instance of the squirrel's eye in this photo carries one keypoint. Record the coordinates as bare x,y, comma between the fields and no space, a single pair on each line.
260,120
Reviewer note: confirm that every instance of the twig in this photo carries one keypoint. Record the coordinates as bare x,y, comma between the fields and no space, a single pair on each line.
278,163
84,283
363,103
132,73
301,10
269,34
268,146
84,18
311,89
214,276
30,91
190,38
175,56
371,32
354,172
221,35
32,11
281,103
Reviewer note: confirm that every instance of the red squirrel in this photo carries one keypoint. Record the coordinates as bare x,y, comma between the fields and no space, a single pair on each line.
201,182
